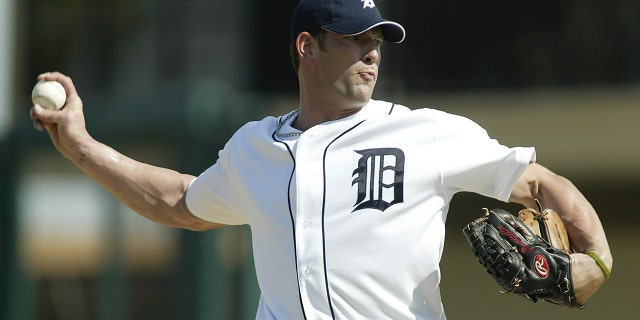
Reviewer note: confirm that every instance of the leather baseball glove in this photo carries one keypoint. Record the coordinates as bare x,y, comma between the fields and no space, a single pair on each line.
521,261
547,224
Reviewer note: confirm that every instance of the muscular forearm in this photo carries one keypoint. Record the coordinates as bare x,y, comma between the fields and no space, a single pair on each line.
580,218
154,192
581,221
555,192
586,234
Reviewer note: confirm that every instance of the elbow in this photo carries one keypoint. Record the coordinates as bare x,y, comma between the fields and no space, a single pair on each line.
185,219
539,183
199,227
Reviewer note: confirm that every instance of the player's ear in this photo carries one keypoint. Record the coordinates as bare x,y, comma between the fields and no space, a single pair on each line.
304,46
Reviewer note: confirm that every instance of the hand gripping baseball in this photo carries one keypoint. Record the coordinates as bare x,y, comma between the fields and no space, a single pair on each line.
66,126
519,260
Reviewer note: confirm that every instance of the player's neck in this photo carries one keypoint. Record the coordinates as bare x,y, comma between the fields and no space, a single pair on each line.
318,107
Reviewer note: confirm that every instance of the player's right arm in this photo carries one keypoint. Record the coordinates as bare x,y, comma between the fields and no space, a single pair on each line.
580,218
154,192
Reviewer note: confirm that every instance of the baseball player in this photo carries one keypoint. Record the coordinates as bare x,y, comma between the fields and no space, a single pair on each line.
346,196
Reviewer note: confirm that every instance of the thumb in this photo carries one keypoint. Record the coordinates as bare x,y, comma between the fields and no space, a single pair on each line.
44,119
46,116
41,117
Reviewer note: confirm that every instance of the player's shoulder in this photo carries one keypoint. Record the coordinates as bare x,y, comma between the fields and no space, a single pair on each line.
256,129
267,123
418,112
444,120
383,108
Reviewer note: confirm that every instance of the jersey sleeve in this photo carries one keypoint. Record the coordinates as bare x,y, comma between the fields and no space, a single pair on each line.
472,161
211,195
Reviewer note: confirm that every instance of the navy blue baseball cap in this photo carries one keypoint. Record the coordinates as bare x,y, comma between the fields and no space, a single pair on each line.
346,17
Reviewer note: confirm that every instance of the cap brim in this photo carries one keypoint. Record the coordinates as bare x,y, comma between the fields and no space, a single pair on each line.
391,31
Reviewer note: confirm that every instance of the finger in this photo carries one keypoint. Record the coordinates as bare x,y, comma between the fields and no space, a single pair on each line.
66,81
38,125
43,115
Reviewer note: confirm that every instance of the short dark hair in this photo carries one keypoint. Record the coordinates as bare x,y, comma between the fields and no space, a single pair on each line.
319,34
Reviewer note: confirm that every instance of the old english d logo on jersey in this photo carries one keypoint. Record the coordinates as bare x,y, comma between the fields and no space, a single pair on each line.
380,178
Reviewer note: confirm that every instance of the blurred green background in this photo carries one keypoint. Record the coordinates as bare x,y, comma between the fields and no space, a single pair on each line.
167,82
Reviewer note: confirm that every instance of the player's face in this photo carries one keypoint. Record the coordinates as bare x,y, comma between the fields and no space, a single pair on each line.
350,64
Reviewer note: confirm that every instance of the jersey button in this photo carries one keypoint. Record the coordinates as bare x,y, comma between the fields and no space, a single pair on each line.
306,224
307,271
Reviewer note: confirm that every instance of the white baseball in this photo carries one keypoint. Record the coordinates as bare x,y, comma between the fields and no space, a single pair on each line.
49,95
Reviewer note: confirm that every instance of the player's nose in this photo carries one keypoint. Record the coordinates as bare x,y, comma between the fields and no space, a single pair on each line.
372,56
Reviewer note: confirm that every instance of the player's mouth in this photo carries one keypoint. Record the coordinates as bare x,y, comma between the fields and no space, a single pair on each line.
367,75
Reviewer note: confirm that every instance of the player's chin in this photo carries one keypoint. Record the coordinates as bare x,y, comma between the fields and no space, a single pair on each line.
365,94
364,89
359,92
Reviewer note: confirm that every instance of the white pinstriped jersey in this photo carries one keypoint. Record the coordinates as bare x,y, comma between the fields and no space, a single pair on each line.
348,219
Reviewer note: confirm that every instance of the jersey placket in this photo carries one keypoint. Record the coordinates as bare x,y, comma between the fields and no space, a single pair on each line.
308,226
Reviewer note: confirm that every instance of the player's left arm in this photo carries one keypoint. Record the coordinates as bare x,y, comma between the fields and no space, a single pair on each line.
581,221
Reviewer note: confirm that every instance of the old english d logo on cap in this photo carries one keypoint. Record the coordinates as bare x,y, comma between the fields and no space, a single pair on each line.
368,4
348,17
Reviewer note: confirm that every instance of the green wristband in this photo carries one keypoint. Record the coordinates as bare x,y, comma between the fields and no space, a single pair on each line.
600,264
